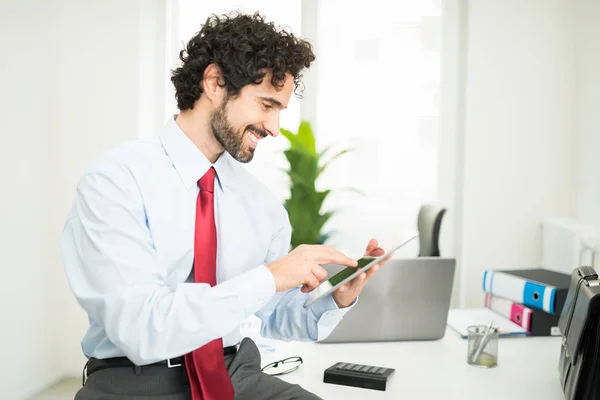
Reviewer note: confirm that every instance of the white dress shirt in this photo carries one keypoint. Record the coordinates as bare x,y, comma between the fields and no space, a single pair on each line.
128,250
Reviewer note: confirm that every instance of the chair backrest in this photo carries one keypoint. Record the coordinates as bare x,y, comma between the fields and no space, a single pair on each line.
429,223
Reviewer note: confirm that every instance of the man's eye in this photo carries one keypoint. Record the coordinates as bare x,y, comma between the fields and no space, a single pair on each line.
267,106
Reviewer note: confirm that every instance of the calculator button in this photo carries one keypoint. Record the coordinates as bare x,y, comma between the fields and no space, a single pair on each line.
342,365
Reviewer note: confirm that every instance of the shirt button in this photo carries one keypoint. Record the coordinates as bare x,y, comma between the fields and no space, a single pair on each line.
261,303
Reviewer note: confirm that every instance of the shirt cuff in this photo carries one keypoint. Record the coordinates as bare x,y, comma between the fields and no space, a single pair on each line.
328,315
254,289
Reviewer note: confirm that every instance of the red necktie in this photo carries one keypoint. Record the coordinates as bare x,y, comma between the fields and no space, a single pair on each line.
205,366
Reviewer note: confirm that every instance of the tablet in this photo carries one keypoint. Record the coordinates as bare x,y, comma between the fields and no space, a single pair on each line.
330,285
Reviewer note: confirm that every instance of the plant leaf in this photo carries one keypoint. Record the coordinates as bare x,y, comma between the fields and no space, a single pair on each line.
307,137
322,238
325,236
337,155
323,218
325,150
295,142
305,203
303,163
326,164
298,179
321,198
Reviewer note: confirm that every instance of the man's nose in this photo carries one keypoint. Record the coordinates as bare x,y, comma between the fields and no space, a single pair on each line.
273,124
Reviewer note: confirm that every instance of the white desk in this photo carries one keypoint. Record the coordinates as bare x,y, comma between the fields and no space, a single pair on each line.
527,369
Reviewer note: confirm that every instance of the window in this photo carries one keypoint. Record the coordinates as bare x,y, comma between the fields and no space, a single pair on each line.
378,93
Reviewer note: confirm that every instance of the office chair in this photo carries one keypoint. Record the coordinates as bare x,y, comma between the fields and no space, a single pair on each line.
429,222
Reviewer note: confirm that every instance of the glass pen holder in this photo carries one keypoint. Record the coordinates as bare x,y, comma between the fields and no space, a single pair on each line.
483,347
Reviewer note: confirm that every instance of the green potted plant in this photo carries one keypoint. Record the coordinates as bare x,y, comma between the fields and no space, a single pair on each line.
305,203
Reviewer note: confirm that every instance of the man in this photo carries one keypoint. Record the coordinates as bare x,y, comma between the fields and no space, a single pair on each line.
170,243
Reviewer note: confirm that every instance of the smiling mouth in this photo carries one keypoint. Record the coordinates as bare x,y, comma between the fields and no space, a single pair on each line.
254,137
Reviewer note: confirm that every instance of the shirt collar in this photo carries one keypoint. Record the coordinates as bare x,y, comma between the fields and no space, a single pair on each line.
191,164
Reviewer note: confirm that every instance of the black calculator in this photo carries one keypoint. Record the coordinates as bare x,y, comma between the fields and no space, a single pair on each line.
358,375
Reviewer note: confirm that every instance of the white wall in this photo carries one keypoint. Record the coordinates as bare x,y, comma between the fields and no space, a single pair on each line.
587,111
110,92
518,133
26,295
98,98
77,79
28,306
452,122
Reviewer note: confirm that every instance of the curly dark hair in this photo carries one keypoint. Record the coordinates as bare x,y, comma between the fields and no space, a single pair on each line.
245,47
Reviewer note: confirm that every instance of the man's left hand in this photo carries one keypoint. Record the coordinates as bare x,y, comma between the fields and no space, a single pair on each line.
348,292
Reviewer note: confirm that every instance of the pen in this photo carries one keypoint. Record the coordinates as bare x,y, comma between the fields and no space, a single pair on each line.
479,348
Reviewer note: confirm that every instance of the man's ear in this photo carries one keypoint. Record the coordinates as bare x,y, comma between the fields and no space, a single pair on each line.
213,84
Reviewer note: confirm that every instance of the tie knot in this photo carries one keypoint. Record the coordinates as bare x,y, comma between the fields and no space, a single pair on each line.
207,182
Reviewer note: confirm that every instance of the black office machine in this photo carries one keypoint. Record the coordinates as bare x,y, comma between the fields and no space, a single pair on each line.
358,375
579,324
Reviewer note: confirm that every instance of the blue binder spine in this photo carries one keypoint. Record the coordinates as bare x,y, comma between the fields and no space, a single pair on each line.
520,290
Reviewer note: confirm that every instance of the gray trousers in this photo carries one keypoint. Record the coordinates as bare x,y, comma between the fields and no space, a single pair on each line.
162,383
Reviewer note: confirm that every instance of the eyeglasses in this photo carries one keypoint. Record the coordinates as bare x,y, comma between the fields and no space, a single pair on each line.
282,367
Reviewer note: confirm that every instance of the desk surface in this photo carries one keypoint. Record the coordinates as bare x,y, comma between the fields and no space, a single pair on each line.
527,368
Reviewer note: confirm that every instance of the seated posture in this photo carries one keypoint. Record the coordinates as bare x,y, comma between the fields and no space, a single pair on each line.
170,243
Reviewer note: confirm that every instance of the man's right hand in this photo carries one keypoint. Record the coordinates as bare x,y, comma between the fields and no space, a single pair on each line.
302,266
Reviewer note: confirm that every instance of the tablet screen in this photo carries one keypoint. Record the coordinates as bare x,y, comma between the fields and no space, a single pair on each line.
347,274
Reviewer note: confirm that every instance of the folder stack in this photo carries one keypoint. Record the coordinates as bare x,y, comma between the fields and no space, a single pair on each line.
531,298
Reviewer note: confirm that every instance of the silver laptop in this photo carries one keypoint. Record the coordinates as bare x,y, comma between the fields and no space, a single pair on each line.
407,299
